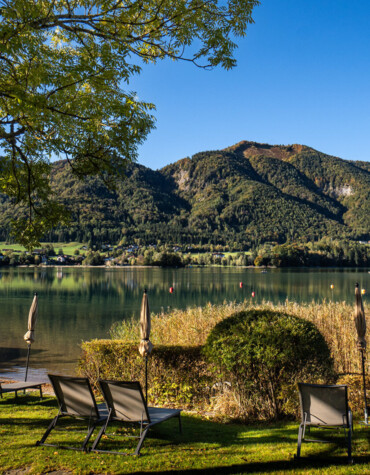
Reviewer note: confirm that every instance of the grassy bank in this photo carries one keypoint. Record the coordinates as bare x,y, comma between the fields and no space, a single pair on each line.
204,447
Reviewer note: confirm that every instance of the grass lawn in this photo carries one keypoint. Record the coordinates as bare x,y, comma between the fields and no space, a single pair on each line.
204,446
68,247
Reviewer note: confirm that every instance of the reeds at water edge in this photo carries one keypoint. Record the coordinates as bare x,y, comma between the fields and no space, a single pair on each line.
190,327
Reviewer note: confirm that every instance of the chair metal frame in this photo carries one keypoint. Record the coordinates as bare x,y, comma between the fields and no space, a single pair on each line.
75,399
126,404
326,417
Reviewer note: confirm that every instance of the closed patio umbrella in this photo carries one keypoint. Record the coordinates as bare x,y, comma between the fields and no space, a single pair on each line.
360,323
29,336
145,347
360,320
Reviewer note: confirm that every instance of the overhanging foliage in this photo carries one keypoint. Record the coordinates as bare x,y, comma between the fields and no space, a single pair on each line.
64,69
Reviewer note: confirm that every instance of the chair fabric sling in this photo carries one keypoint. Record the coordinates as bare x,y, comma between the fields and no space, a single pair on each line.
126,404
75,399
20,386
324,406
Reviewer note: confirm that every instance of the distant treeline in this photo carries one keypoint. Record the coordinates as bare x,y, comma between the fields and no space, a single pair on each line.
325,253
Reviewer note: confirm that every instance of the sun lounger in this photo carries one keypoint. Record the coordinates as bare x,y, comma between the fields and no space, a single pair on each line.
76,400
20,386
126,404
324,406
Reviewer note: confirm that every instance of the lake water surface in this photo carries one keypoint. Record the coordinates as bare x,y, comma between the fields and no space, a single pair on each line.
78,304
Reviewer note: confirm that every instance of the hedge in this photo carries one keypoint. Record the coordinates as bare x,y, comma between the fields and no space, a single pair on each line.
182,377
177,376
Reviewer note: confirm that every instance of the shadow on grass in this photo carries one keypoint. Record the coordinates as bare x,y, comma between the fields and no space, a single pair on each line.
28,399
271,467
197,432
12,409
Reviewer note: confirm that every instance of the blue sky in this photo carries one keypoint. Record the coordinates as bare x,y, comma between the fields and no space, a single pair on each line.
303,76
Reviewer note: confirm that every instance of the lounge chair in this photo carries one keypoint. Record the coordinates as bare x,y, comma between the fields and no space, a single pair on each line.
75,399
126,404
324,406
20,386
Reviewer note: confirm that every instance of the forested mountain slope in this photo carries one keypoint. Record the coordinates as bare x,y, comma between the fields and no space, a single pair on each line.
246,194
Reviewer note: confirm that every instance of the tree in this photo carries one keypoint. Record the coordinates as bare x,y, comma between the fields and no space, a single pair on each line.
64,65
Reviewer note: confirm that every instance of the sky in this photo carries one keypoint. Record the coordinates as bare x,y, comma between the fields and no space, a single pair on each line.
302,76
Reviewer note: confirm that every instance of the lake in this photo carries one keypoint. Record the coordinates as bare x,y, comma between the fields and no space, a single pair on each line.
78,304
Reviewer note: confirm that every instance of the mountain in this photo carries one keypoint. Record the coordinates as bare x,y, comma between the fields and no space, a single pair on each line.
245,194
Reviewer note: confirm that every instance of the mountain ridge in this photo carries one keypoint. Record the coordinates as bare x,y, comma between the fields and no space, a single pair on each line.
247,193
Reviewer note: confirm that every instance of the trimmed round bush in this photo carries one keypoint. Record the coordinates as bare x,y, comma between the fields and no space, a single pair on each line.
264,354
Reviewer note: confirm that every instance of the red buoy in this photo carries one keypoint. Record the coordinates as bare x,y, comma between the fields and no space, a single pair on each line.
171,290
253,294
241,285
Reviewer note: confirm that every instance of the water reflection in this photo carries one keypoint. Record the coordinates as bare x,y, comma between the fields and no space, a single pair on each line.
79,304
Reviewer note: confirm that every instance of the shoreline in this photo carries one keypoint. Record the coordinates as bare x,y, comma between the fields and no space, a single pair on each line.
261,268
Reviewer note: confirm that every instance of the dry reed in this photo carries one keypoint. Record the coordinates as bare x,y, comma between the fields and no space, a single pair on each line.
191,327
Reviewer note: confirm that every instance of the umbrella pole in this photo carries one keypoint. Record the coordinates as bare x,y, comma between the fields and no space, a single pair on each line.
28,360
146,380
364,383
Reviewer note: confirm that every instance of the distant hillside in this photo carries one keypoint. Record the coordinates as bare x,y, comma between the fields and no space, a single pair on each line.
246,194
